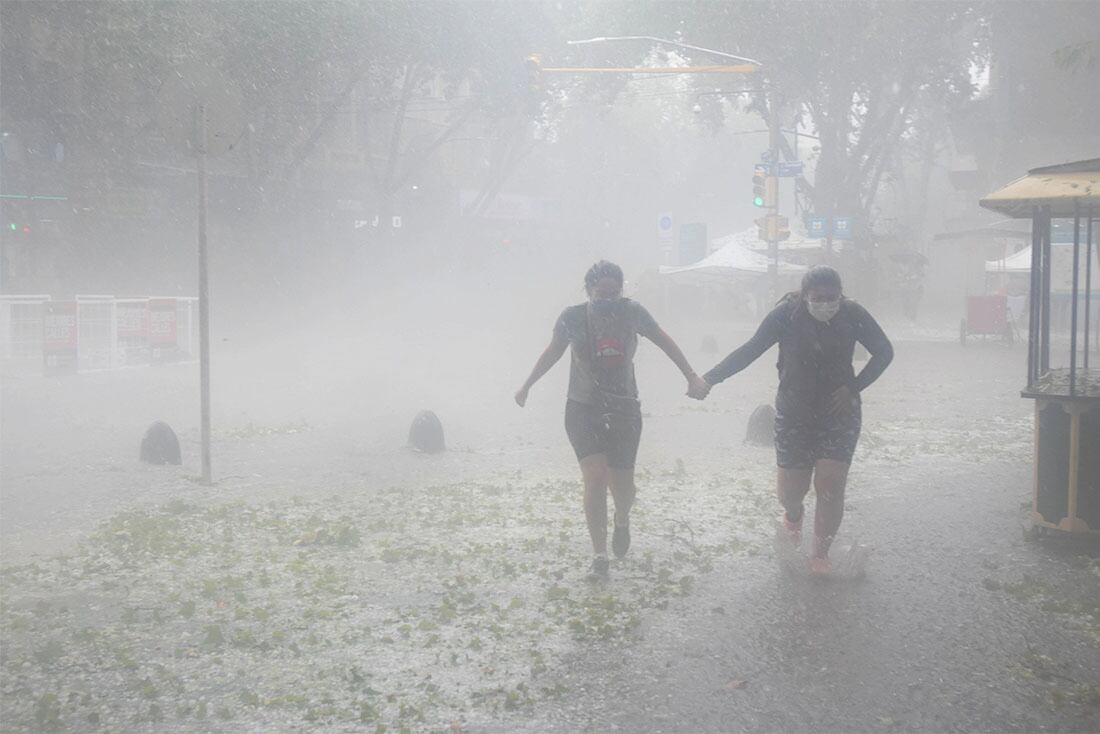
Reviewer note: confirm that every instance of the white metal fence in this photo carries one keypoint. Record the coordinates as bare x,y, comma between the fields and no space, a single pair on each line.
21,328
108,332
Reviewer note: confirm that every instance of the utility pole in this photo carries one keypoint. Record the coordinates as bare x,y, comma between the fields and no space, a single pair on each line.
201,144
773,213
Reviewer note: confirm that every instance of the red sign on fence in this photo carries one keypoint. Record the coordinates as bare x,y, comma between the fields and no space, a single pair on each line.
59,337
162,329
133,320
132,335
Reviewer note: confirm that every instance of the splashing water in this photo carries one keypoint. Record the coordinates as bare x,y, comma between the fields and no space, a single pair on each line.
849,561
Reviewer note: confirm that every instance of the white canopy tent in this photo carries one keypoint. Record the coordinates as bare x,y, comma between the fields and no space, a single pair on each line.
1019,262
732,260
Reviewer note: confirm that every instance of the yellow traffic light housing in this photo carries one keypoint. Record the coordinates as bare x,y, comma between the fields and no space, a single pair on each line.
758,189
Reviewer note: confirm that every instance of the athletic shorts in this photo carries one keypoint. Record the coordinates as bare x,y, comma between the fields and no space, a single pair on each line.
802,439
593,430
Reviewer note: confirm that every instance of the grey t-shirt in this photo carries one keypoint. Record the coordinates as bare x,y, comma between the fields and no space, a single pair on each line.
603,343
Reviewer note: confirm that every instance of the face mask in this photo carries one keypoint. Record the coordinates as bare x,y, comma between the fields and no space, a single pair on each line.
823,310
604,305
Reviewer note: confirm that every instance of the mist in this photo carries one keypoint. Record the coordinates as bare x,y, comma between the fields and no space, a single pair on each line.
405,204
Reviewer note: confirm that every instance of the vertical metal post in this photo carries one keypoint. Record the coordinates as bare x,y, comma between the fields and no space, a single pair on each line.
204,294
1033,302
797,158
1073,304
1044,345
1088,285
773,163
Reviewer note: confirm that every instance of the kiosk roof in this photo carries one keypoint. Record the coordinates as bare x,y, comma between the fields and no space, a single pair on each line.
1058,187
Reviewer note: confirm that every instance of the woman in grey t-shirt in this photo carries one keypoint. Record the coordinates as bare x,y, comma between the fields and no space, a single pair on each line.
603,416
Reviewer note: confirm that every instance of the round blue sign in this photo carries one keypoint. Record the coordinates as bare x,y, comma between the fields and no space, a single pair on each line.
665,222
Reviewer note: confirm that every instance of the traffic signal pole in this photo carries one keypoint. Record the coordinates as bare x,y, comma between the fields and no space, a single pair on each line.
773,212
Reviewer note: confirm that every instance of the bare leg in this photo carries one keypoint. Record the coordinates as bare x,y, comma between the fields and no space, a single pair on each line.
622,491
792,486
596,477
830,478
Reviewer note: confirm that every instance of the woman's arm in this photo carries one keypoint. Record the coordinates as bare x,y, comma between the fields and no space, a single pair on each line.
871,336
546,360
750,351
667,345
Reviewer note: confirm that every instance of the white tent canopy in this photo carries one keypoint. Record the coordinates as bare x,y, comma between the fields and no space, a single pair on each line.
733,259
1019,262
798,241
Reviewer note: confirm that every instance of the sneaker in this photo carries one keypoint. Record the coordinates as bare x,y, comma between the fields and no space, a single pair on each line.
620,540
820,566
600,569
793,529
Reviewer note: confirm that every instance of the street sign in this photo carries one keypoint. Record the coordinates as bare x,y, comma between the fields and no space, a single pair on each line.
842,227
693,242
761,168
665,223
789,169
766,156
818,227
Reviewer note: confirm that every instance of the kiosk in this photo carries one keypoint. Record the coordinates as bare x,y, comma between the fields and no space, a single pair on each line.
1066,391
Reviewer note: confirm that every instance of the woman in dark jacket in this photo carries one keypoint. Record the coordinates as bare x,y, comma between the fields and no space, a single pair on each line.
818,407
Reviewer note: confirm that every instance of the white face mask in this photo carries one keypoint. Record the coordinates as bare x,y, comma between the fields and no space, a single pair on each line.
823,310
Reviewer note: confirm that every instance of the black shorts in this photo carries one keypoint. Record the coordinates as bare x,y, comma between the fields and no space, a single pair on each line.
593,430
802,438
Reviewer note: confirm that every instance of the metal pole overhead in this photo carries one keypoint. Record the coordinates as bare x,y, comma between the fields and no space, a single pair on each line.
1033,301
1044,355
204,295
1088,285
1073,304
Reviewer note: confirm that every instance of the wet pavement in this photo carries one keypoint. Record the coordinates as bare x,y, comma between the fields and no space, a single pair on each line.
960,624
948,631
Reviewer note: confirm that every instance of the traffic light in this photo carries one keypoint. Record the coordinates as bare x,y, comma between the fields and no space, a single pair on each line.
782,228
765,188
773,228
762,228
758,188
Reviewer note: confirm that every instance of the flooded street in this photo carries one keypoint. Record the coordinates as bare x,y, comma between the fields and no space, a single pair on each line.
469,367
333,577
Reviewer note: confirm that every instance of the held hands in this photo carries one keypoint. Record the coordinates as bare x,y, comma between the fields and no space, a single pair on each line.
521,396
698,388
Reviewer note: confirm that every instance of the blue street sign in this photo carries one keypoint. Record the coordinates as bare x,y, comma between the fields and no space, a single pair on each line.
665,223
790,168
842,227
818,227
763,168
766,156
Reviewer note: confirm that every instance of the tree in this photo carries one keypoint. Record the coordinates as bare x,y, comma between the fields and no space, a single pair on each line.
866,77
